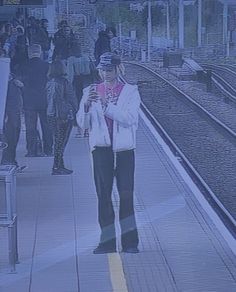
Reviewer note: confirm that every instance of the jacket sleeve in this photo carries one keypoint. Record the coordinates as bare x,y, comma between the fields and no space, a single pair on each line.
83,118
128,115
50,90
70,69
71,97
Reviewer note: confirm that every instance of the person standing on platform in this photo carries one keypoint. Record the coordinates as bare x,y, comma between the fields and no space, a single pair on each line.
35,102
110,111
79,70
42,38
12,120
62,106
80,74
64,44
18,19
103,43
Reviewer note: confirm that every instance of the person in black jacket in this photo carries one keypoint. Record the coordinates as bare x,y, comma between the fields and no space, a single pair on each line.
103,43
62,106
35,102
18,19
41,37
64,43
12,120
20,55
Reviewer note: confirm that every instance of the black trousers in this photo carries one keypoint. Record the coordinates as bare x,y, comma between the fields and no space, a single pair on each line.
61,132
31,118
12,134
103,162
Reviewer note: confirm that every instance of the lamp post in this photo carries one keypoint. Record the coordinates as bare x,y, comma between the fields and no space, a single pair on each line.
225,23
67,9
181,24
199,24
168,20
149,28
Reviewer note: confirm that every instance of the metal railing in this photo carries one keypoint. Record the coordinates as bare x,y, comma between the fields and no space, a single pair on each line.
8,215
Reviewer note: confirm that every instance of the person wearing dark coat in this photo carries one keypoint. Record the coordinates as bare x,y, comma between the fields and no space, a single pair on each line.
20,55
12,120
35,102
59,32
64,44
103,43
42,38
62,106
18,19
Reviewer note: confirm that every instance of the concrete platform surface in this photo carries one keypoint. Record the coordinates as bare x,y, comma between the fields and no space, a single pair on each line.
180,247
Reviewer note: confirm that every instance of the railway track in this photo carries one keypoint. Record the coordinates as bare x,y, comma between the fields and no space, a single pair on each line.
224,77
205,144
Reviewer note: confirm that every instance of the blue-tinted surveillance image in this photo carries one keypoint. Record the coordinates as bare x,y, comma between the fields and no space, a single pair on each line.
117,145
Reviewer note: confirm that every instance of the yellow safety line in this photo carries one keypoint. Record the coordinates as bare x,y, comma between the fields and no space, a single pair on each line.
116,273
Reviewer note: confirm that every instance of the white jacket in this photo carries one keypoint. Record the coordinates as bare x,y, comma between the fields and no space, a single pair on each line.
124,115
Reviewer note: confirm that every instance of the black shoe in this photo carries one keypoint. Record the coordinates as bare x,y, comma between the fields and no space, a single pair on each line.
61,171
5,162
130,250
67,171
101,249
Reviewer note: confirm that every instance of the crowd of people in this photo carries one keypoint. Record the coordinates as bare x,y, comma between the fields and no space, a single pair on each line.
35,78
63,93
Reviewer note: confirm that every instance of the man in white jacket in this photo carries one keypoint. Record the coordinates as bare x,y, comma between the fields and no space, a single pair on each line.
110,111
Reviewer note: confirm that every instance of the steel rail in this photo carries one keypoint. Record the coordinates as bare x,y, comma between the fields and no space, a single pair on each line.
221,82
220,67
219,208
223,86
200,108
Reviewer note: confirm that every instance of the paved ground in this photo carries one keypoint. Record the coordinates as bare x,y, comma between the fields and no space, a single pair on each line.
181,250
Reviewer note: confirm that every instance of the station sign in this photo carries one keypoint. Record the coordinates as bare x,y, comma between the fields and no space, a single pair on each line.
105,1
23,3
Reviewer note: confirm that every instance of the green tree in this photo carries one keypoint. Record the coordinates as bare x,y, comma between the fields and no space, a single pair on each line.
117,12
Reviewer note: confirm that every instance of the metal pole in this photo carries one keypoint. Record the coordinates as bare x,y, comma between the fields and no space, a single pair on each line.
181,24
227,46
199,23
225,23
120,35
149,22
67,9
168,20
